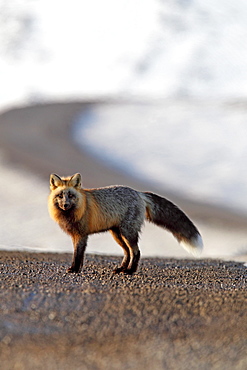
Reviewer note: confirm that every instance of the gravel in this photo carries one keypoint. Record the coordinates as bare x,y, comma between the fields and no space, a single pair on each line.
171,314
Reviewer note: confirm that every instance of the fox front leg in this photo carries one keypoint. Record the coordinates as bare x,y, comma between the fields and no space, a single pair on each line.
80,244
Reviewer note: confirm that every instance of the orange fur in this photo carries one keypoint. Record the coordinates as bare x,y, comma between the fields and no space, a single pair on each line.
80,209
96,219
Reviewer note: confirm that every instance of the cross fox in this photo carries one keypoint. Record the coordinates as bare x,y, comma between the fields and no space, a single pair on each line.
118,209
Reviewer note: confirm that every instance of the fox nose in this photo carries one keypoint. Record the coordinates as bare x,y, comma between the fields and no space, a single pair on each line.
66,206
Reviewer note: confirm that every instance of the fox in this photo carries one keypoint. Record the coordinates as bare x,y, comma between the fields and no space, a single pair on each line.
120,210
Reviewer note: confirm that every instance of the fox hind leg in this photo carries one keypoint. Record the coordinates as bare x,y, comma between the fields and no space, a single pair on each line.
126,259
135,254
129,244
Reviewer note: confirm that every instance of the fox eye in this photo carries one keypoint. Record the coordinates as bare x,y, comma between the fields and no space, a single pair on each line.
60,195
70,195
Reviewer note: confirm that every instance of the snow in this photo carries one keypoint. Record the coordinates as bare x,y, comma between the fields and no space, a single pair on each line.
195,148
145,48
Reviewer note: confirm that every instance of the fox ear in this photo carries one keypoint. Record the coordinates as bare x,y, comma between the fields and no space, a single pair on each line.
55,181
75,181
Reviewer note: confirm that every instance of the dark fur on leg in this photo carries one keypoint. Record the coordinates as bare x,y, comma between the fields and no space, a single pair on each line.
134,264
79,250
126,259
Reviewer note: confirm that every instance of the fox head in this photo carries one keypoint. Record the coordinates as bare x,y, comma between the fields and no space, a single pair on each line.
64,191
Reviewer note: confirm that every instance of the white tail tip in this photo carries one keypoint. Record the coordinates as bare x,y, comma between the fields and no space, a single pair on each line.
193,246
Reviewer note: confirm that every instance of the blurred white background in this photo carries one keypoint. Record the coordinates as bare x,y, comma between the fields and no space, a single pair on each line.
179,69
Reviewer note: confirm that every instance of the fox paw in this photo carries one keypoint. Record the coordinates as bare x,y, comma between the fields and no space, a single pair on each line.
72,270
117,270
129,271
124,270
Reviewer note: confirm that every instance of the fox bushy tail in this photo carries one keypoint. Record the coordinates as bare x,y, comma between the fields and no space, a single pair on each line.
164,213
